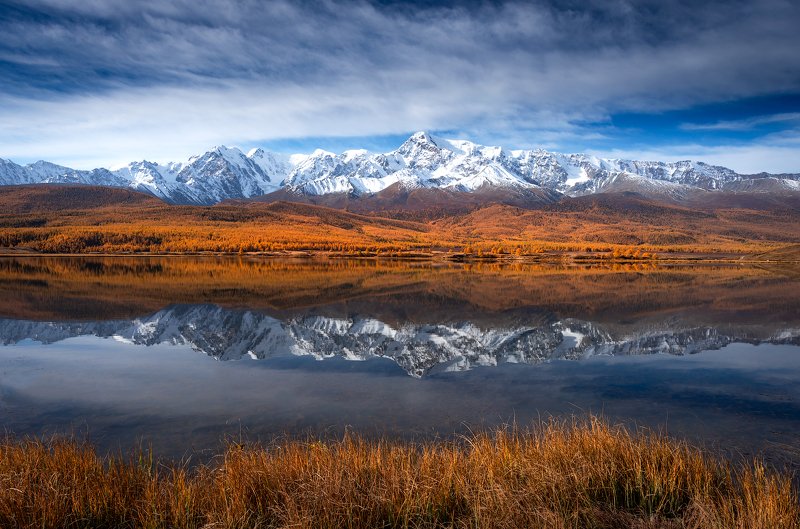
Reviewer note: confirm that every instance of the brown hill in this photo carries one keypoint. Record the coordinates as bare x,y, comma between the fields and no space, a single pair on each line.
784,201
628,219
58,197
76,219
69,219
398,201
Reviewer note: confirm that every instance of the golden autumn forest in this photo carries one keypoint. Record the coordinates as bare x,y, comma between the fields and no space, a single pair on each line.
73,219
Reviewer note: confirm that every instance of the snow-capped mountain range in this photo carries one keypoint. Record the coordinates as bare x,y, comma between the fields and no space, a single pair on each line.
422,161
419,349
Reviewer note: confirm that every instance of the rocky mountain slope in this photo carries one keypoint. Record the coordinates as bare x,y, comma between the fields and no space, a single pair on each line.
423,161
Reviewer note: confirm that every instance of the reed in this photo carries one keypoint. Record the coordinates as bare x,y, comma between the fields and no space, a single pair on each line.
556,475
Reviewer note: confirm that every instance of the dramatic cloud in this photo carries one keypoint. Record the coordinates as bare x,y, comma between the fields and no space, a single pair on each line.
103,81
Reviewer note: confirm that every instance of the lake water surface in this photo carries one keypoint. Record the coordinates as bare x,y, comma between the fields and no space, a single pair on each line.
180,353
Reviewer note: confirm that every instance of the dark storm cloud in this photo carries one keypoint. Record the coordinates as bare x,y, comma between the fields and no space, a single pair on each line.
359,68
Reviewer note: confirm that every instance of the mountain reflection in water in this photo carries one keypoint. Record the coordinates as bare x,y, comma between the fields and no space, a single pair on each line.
420,349
104,345
425,317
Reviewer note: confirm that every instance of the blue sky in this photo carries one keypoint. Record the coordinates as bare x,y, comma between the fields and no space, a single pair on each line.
104,82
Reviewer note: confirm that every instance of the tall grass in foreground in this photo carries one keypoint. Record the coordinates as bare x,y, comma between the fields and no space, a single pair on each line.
558,475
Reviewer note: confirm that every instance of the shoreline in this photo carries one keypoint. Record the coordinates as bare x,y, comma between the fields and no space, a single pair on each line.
551,258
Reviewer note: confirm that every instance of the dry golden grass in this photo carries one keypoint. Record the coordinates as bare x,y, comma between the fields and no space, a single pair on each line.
559,475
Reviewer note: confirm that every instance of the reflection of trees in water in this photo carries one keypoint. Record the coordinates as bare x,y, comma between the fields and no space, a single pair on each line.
69,288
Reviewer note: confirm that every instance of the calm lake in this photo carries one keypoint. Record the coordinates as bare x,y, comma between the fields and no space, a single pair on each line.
182,353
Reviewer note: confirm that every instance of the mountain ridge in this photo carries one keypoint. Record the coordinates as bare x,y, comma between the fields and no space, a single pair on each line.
423,161
420,349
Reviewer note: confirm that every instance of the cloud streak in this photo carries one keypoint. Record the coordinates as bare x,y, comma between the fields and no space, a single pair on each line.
746,124
111,80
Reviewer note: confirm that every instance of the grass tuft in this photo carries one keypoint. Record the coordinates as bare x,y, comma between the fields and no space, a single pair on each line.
579,474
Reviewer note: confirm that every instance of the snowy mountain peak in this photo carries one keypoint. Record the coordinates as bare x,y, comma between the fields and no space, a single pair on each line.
353,154
232,155
42,166
422,161
421,137
225,150
424,140
322,153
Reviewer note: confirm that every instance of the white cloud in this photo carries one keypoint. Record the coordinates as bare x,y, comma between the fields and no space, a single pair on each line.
164,80
172,124
776,153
